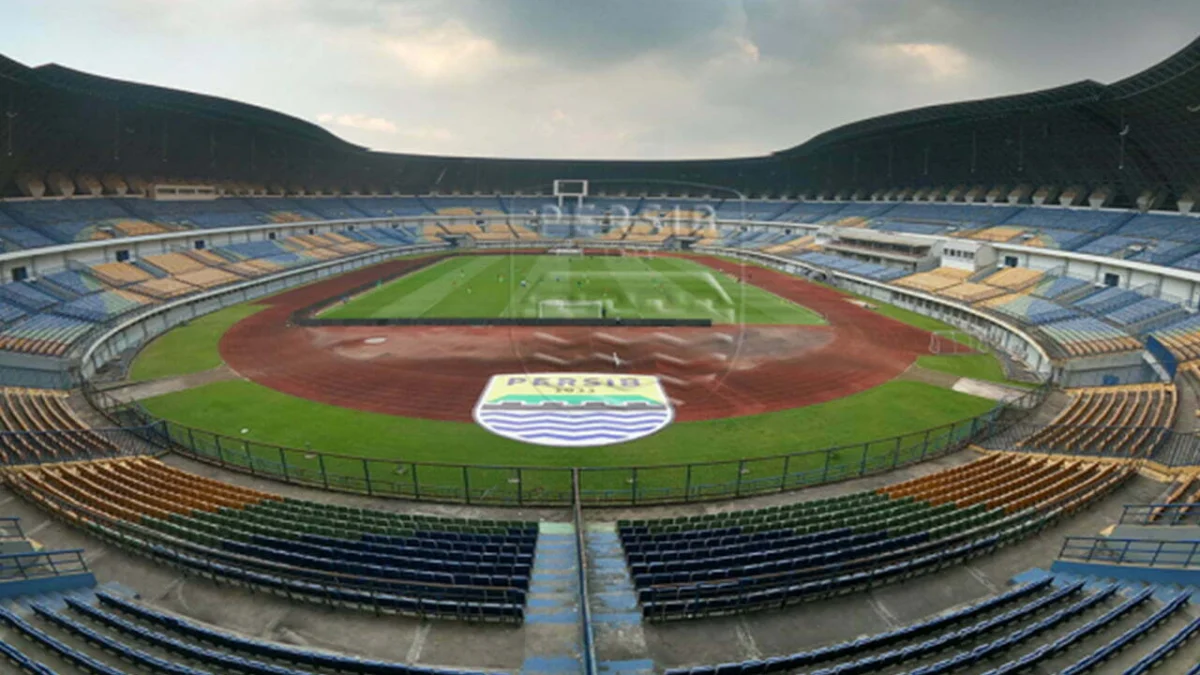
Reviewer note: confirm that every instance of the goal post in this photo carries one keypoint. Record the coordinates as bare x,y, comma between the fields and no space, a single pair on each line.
556,308
943,342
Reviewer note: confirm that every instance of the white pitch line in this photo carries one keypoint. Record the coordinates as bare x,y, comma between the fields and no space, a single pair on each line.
712,281
610,339
548,358
548,337
667,337
678,382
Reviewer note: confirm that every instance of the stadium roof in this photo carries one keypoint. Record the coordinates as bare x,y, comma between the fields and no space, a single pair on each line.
1139,133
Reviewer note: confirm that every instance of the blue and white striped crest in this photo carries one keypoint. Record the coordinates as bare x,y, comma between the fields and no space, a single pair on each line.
573,409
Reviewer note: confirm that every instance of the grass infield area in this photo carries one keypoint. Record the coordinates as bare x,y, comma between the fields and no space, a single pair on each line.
572,287
254,415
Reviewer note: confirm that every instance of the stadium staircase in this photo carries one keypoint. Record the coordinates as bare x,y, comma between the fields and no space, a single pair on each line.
615,616
552,615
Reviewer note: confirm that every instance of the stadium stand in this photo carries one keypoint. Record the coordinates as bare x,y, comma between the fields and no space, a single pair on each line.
1005,631
1086,336
425,566
47,430
1013,279
1120,421
934,280
971,292
1060,288
1182,338
748,560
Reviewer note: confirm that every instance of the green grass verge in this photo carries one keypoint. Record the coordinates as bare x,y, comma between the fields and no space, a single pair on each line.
975,366
270,417
529,286
188,349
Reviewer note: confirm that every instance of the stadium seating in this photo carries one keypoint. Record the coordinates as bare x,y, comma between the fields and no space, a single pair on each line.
60,622
1144,313
58,435
1182,338
44,334
1013,279
1120,421
1086,336
934,280
970,292
1060,288
1107,300
1005,629
869,270
748,560
477,570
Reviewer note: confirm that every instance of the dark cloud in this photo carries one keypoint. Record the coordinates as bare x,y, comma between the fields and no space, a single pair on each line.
603,78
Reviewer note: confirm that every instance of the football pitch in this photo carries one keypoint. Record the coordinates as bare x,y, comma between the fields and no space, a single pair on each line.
572,287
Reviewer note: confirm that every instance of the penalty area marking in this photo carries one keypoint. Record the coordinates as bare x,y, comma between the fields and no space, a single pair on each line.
706,276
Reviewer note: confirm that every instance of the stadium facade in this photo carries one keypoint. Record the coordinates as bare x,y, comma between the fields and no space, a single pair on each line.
1131,142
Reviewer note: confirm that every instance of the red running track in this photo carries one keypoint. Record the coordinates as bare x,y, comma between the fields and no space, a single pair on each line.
438,372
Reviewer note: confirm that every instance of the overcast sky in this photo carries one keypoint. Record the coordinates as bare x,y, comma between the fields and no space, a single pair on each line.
597,78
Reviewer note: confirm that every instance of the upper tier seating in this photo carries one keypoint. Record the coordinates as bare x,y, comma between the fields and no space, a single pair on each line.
1107,300
1054,288
970,292
934,280
837,262
14,235
1013,278
1081,220
420,565
1120,421
1173,227
65,220
1145,311
745,560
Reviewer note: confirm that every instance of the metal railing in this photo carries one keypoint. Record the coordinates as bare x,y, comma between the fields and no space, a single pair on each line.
587,637
41,564
554,486
1158,514
10,529
1145,552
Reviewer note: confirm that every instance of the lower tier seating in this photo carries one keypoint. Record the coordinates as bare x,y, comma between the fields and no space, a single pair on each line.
467,569
744,561
1059,625
47,430
1120,421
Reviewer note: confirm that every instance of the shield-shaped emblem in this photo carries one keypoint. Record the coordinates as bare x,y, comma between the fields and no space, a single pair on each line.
573,409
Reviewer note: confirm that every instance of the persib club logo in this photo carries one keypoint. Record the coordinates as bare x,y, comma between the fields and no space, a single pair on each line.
573,409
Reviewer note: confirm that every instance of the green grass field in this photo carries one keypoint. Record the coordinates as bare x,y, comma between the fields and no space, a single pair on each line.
255,418
188,349
544,286
975,366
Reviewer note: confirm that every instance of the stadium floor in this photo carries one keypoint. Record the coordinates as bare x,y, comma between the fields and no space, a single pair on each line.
718,372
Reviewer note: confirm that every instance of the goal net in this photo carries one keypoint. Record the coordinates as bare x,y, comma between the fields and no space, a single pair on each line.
570,309
956,342
566,251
